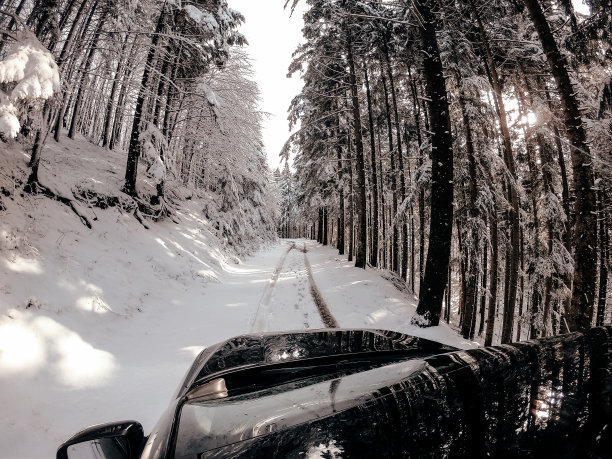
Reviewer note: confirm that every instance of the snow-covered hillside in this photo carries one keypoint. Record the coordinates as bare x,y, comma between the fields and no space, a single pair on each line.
100,324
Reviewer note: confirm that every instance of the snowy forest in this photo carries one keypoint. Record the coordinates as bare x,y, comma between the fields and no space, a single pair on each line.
463,146
466,146
446,178
154,79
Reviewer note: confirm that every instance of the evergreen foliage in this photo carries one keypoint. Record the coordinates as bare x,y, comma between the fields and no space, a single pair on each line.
503,109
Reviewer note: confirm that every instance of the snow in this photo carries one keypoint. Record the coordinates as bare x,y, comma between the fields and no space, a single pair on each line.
203,18
100,325
9,123
211,97
153,144
32,67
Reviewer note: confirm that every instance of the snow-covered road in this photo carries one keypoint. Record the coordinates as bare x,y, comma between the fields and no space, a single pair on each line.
64,369
286,302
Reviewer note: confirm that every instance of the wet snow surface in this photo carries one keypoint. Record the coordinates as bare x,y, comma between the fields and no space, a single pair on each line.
100,325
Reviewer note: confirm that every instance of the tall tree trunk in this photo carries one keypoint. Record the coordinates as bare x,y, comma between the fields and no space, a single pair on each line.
416,108
62,60
85,77
421,204
66,13
470,254
483,287
374,255
351,200
494,276
400,164
171,94
360,201
131,169
441,220
320,231
383,213
512,284
325,227
341,212
580,310
120,110
604,244
395,243
111,100
161,86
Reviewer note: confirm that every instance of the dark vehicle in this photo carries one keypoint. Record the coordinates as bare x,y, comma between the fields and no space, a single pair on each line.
370,393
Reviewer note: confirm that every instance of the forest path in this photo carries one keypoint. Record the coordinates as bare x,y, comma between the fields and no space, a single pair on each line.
285,303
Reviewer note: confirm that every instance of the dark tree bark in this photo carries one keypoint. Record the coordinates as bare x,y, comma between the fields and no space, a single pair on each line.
341,212
469,254
120,110
514,254
85,77
604,244
66,13
111,103
320,227
171,95
360,201
62,60
325,227
440,230
494,276
395,241
416,108
351,166
131,169
483,290
385,258
400,164
580,311
161,86
374,254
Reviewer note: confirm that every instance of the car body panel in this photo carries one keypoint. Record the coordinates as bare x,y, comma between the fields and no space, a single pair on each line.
270,350
368,393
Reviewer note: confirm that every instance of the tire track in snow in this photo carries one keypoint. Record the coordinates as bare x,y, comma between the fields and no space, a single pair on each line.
259,319
326,316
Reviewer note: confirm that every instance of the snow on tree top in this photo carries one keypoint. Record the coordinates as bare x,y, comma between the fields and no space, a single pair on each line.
203,18
32,67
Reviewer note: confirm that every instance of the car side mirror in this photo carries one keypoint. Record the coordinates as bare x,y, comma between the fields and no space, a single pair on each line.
116,440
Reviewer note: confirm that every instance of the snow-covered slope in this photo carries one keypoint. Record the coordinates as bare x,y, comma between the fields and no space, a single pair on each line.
94,323
100,324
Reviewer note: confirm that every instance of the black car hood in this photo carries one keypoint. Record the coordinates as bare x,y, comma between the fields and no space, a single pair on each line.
215,424
345,370
253,350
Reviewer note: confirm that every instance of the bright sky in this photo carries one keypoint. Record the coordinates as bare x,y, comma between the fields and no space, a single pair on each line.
272,36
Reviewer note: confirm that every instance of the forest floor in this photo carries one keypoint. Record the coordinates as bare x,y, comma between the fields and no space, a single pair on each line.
100,324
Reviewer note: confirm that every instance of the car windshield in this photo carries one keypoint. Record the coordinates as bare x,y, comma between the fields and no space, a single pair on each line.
308,392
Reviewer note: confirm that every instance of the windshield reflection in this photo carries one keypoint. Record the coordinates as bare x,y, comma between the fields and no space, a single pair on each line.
550,398
217,423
